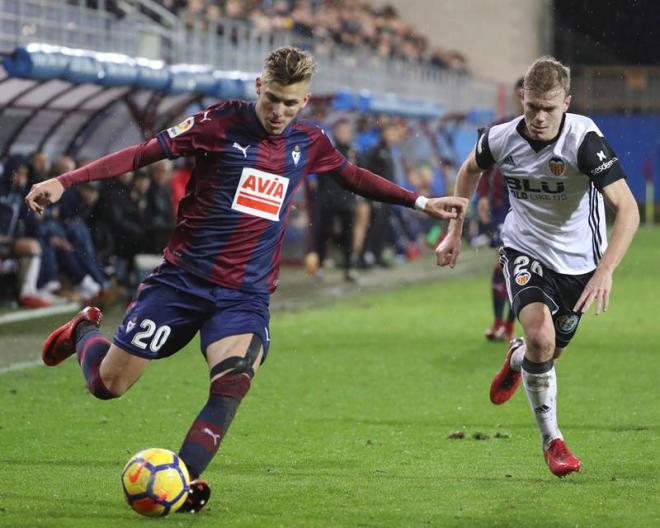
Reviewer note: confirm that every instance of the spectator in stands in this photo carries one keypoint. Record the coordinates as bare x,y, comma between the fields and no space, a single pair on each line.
19,234
336,205
381,161
40,167
127,216
71,239
76,208
327,25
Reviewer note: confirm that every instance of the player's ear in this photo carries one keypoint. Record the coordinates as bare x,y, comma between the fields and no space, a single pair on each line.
306,99
257,85
567,102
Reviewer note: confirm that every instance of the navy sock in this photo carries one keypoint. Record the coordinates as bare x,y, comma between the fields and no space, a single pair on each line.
498,287
209,428
511,317
91,348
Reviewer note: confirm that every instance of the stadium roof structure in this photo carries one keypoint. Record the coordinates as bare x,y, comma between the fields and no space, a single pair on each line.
81,102
56,99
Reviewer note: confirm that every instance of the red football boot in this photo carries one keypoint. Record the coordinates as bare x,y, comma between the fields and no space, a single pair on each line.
32,301
559,458
59,344
198,497
506,380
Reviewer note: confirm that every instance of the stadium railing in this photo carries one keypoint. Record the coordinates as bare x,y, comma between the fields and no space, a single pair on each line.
147,30
627,89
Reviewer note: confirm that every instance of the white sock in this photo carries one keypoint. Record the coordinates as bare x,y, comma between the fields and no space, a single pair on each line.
517,357
88,288
542,395
31,275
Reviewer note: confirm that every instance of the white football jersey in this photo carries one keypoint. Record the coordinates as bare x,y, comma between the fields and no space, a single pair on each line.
557,212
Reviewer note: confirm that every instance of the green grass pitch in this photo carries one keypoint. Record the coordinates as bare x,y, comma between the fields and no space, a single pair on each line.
347,423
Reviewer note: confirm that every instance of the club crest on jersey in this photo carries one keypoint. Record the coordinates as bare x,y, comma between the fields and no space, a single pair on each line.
523,278
260,193
295,154
182,127
557,166
566,323
131,324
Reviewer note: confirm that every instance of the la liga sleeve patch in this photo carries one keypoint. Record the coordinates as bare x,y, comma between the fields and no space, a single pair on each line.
182,127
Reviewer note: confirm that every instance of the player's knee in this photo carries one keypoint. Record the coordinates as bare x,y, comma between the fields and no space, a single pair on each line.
241,365
540,343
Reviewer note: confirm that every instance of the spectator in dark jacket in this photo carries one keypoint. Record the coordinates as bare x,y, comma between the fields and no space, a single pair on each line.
381,161
127,216
336,205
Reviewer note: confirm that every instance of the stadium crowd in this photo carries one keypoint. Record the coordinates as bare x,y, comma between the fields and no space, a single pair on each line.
79,245
84,247
328,25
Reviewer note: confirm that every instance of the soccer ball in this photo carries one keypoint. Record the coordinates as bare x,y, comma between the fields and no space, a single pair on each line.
155,482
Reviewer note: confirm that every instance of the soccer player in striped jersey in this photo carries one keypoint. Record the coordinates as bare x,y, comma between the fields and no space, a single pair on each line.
222,261
559,170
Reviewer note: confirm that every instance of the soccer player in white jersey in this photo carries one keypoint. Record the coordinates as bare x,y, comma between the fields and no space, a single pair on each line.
559,170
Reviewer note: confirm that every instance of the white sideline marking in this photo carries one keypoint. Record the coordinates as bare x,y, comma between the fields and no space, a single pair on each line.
21,365
25,315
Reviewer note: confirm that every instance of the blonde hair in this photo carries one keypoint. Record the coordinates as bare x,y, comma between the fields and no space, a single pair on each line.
545,74
288,66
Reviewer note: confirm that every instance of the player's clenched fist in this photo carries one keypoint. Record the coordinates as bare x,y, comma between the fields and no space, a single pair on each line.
43,194
447,207
448,250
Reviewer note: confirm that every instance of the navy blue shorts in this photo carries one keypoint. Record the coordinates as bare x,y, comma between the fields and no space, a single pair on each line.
172,305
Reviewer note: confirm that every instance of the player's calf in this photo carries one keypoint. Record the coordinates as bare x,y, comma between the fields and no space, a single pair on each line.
231,379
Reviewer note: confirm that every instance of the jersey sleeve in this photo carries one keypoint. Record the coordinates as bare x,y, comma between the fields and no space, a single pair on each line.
197,132
482,151
597,160
324,156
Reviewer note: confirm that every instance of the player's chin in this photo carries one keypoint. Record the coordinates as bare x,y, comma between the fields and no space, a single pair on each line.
276,127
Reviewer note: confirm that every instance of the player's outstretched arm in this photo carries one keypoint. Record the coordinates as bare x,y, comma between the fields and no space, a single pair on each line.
131,158
597,290
374,187
447,252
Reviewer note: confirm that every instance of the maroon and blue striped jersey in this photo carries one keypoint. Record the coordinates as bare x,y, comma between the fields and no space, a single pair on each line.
231,222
